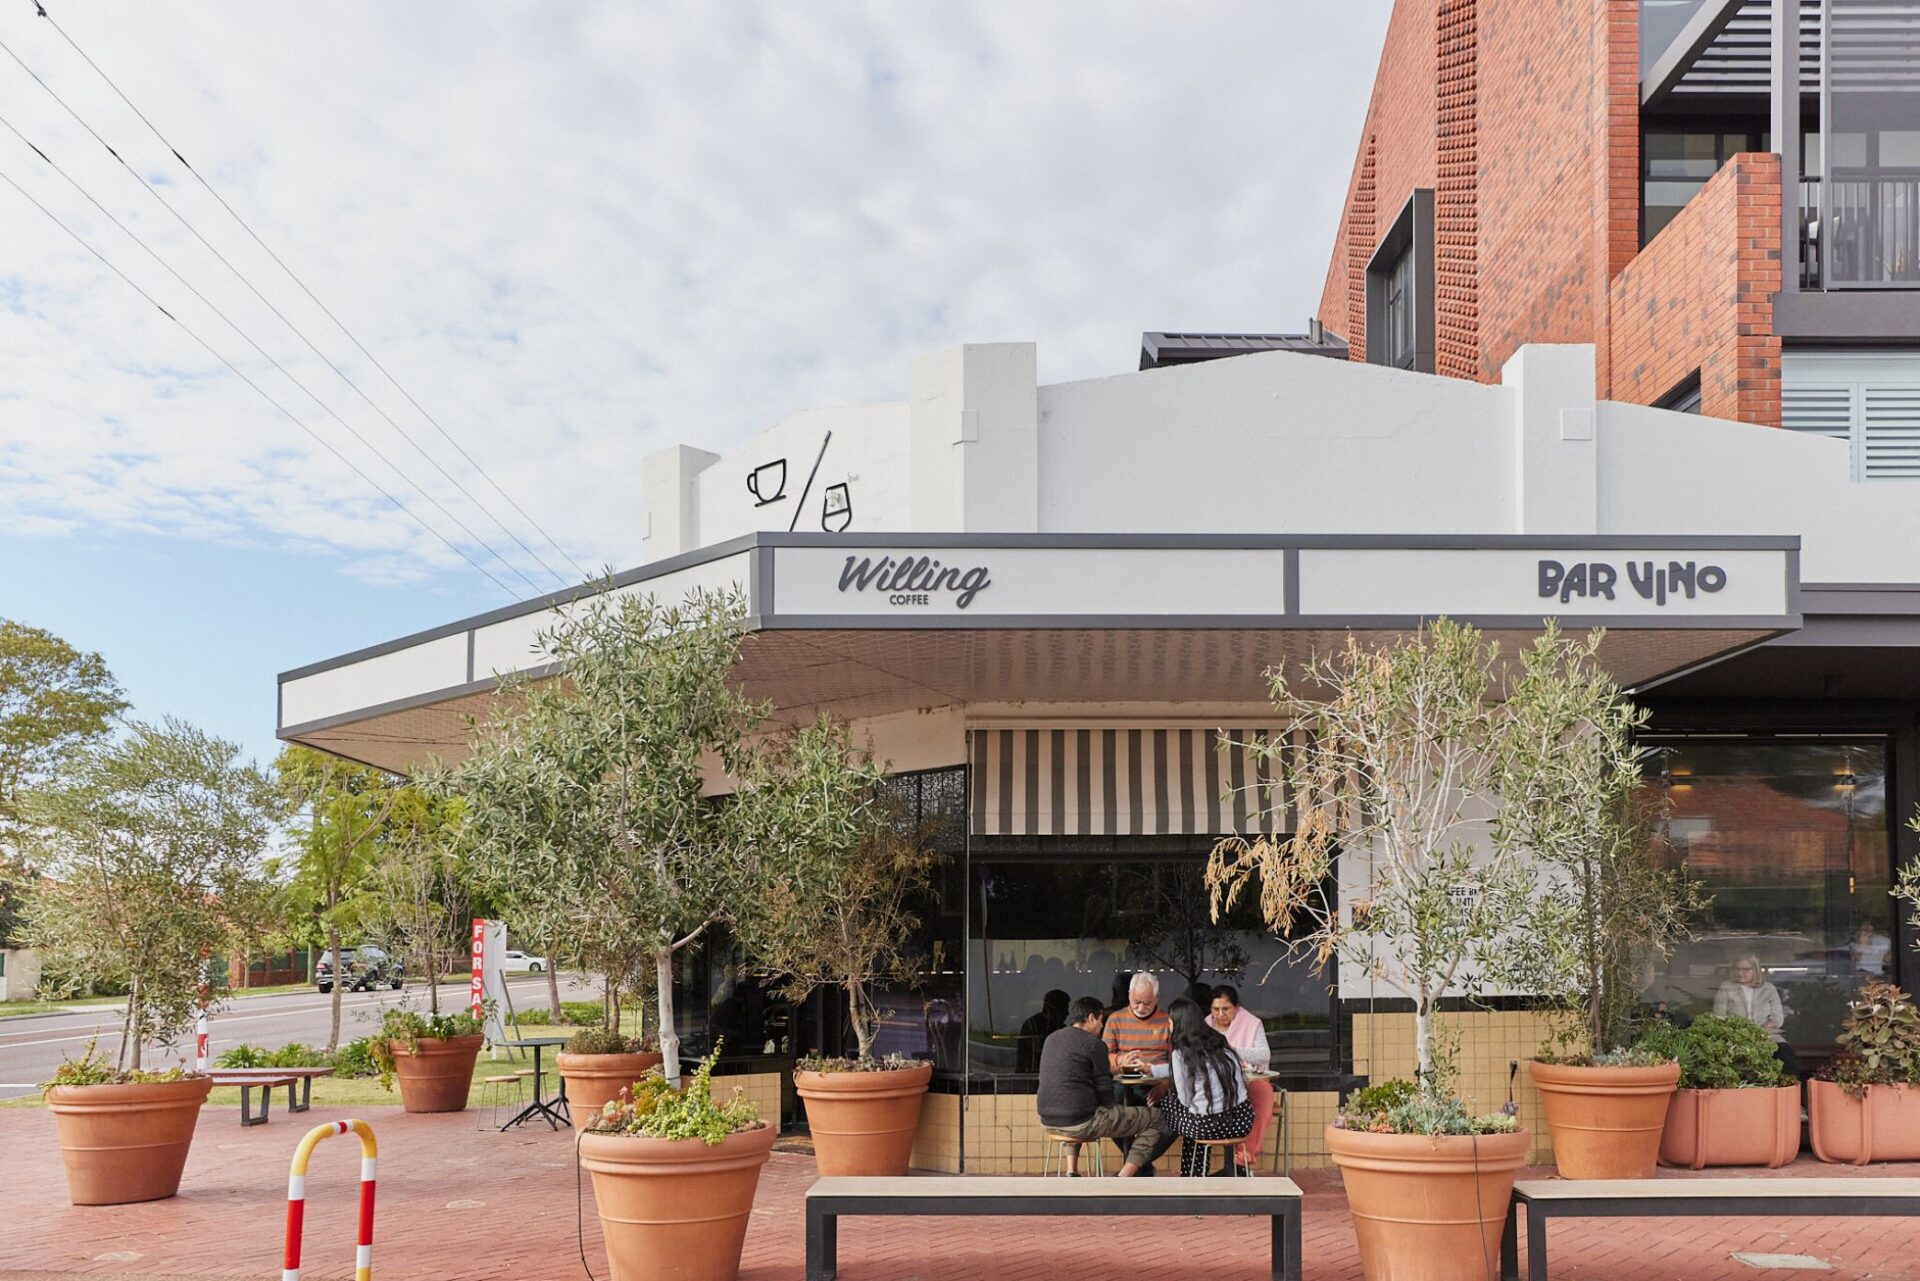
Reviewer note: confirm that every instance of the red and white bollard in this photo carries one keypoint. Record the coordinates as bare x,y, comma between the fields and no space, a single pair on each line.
297,1198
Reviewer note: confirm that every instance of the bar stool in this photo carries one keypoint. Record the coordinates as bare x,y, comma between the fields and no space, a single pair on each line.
492,1087
1057,1155
1228,1148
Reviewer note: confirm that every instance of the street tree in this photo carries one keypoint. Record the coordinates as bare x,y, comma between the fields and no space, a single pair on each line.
54,700
342,813
152,846
416,900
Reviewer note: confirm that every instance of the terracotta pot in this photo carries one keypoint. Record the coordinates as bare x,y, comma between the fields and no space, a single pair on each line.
594,1080
864,1122
1428,1209
675,1209
1758,1126
1606,1121
1884,1126
438,1074
124,1143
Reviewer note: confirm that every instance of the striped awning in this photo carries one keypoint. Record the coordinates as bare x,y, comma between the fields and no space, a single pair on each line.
1195,781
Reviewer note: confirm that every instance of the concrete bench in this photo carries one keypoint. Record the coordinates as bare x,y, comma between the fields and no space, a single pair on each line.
249,1079
945,1196
1755,1195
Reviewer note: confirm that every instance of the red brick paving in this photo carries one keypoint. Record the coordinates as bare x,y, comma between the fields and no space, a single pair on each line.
458,1203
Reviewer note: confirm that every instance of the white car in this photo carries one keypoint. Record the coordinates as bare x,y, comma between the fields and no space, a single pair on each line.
521,961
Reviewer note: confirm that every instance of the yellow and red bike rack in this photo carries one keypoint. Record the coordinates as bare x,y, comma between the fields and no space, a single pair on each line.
297,1197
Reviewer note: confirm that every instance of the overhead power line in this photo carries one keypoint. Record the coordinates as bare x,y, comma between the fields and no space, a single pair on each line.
268,356
328,311
264,394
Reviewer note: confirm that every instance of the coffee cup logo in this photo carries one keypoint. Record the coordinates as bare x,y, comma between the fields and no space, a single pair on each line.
768,482
836,508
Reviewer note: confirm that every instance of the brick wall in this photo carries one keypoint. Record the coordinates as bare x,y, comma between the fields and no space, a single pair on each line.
1700,297
1456,234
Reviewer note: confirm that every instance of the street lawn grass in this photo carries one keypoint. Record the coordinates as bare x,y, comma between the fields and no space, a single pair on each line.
333,1092
14,1009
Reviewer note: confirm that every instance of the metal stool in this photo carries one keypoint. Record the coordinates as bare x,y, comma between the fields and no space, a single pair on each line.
1228,1147
1283,1149
493,1087
1057,1155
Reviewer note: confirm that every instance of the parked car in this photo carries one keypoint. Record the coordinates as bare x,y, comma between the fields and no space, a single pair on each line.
362,968
521,961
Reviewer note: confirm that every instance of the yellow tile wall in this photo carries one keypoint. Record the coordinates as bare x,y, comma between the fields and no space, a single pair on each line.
761,1087
1486,1042
937,1145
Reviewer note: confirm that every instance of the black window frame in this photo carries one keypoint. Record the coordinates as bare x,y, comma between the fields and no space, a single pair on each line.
1400,287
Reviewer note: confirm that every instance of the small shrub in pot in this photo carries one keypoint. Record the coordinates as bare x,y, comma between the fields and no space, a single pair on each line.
1736,1105
1865,1105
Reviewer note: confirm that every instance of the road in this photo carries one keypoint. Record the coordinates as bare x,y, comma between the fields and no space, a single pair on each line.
31,1047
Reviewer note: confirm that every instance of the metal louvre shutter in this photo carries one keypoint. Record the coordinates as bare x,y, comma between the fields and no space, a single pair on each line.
1890,431
1819,411
1185,781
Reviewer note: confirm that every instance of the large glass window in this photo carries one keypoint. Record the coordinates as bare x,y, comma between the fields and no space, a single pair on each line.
1079,915
1676,163
722,996
1870,164
1790,838
1400,305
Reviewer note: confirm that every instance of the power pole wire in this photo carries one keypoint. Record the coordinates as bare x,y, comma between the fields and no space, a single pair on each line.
265,395
268,357
338,323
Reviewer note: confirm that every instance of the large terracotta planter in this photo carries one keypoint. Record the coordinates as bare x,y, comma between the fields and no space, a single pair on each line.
864,1122
675,1209
1758,1126
124,1143
1884,1126
437,1075
1606,1121
1428,1209
594,1080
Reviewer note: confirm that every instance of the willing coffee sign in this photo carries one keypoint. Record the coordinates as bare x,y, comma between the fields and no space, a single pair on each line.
914,580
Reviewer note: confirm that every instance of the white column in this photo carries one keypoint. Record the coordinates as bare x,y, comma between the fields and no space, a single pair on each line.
1555,465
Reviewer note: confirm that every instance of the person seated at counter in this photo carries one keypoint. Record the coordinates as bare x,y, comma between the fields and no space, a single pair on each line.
1140,1035
1749,995
1038,1027
1076,1097
1209,1099
1247,1037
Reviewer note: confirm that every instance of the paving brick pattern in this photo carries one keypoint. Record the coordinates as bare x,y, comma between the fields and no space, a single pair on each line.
456,1203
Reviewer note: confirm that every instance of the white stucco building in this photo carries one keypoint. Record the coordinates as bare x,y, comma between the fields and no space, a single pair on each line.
1042,604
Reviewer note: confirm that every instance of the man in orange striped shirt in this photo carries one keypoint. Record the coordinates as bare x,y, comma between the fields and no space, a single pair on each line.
1140,1034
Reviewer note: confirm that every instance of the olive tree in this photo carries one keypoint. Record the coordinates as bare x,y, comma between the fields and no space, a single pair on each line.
1396,774
152,847
587,796
415,899
1573,797
840,915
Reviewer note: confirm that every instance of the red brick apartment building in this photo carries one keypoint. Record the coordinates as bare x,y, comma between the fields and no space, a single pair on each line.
1606,171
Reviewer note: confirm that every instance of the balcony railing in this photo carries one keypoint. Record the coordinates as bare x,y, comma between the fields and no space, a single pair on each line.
1868,234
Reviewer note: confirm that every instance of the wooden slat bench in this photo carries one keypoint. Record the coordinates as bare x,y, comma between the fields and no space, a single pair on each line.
266,1080
1755,1195
943,1196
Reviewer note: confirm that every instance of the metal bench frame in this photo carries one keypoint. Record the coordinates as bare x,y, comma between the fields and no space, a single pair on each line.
1668,1198
949,1197
266,1085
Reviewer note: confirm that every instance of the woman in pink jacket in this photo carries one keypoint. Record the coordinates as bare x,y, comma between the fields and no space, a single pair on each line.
1249,1040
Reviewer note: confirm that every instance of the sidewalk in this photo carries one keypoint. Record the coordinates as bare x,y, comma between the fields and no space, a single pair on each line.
456,1203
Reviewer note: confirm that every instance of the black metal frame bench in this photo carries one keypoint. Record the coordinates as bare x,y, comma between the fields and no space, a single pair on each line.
1675,1198
249,1081
947,1196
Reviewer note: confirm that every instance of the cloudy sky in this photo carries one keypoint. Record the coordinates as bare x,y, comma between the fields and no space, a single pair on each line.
575,233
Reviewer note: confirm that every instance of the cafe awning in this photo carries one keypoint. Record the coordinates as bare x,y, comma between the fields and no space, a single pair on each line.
872,624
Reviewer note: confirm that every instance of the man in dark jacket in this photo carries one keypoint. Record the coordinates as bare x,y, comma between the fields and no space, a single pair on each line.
1076,1091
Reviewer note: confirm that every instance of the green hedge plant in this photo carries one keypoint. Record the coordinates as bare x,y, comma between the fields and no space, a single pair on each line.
658,1111
1880,1043
1717,1053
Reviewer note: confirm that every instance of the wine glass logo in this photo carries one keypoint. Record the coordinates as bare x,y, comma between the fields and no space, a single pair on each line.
768,482
836,508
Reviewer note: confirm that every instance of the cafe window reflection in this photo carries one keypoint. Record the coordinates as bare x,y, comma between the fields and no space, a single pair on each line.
1790,840
1079,915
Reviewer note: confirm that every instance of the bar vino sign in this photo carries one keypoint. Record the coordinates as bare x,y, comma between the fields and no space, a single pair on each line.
1651,581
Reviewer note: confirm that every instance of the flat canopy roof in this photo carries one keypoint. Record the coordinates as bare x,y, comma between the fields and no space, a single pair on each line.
876,623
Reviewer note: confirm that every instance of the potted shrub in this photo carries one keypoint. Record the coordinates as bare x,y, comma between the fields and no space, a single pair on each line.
600,1066
1399,760
1572,796
674,1175
840,919
1865,1106
124,1134
151,847
1735,1104
431,1054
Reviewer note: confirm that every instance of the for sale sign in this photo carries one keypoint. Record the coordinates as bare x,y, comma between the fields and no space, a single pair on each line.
477,987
